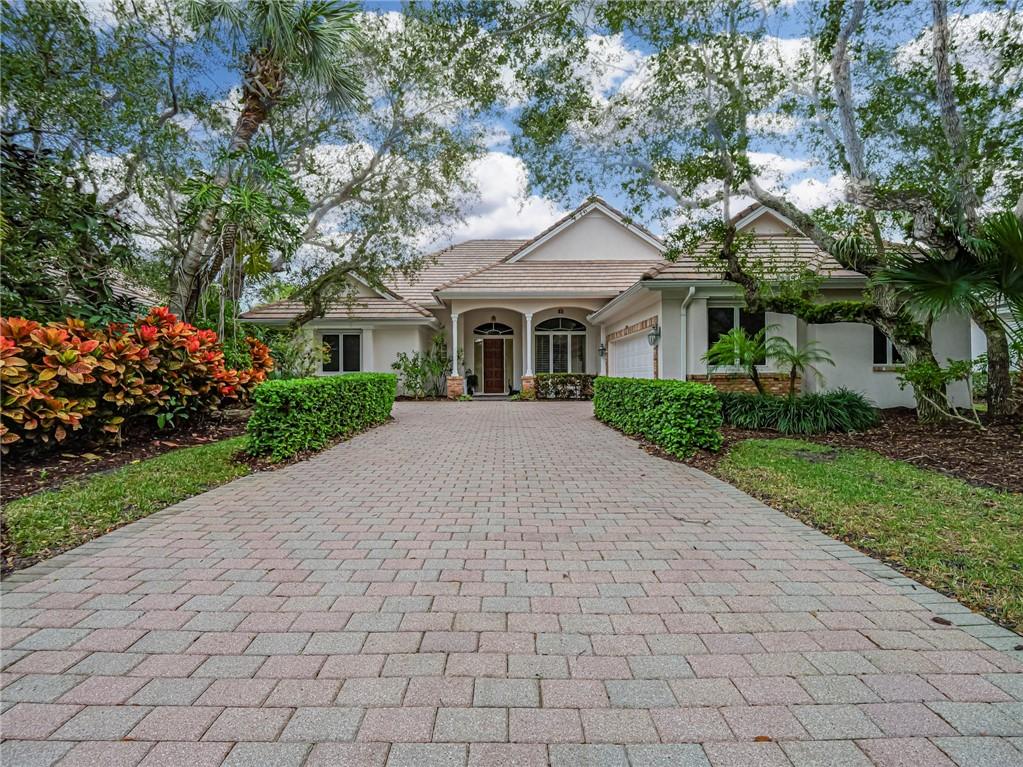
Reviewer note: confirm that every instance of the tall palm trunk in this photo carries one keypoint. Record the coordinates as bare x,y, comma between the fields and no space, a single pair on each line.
263,83
999,395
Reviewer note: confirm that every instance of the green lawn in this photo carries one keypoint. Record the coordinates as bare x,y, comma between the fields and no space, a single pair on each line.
54,520
959,539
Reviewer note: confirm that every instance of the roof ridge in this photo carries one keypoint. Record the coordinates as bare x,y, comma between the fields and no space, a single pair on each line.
473,273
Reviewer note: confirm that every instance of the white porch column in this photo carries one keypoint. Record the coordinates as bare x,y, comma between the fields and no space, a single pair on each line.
367,350
527,365
454,344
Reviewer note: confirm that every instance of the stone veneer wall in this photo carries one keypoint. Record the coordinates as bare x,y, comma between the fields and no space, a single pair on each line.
774,383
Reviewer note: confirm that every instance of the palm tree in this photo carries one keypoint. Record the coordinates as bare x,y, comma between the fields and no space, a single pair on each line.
283,43
798,360
983,275
737,349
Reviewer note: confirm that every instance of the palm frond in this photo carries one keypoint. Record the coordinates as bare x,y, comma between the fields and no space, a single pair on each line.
207,14
1005,232
936,285
273,26
327,32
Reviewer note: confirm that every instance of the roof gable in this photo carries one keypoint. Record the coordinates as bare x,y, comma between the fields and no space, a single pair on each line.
761,220
594,231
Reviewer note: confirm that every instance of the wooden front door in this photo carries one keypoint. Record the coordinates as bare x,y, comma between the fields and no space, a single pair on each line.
493,366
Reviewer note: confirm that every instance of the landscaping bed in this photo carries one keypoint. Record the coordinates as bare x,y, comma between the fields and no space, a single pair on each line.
26,474
989,458
964,541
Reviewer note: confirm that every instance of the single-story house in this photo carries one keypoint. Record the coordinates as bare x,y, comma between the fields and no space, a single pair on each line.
594,294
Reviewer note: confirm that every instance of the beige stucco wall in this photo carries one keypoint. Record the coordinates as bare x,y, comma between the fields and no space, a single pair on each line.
594,237
849,344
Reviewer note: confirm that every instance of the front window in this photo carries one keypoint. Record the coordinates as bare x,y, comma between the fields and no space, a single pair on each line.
722,319
885,352
342,352
560,346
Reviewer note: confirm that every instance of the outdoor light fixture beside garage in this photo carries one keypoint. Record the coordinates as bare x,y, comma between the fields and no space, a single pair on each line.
654,336
602,350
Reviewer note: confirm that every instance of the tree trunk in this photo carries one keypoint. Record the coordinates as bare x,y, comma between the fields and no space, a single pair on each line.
999,395
184,285
755,375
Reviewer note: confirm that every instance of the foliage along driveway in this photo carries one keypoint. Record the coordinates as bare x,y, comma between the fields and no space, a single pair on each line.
487,584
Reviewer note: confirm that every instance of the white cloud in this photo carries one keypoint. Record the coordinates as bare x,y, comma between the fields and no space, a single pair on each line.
775,165
504,208
795,178
101,13
813,193
609,63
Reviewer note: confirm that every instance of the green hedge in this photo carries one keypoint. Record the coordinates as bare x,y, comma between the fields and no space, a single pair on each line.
564,385
839,410
677,416
300,414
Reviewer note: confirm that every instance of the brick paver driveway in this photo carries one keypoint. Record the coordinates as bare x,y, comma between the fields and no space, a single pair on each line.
493,584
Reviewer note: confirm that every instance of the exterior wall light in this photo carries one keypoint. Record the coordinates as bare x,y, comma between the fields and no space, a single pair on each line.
602,350
654,336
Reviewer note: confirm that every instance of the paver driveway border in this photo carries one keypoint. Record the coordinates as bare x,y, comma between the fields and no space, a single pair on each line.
513,576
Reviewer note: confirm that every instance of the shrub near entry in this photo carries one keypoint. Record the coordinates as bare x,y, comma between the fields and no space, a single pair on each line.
564,386
296,415
840,410
677,416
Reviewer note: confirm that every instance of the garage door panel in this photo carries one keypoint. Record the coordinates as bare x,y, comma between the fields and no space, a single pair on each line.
632,357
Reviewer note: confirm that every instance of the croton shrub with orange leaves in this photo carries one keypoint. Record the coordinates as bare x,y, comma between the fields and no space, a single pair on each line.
65,377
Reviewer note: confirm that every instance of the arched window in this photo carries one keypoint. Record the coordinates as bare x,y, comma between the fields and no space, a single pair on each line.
561,323
560,346
493,329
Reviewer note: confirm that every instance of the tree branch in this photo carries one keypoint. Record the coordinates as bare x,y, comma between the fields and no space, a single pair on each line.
951,123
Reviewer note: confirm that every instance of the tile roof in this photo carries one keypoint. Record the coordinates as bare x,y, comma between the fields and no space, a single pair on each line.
787,254
450,264
598,278
363,308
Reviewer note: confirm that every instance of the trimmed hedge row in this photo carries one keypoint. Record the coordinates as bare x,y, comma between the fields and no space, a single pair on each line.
564,385
840,410
677,416
296,415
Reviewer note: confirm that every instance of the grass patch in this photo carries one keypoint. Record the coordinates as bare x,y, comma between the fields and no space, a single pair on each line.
961,540
52,521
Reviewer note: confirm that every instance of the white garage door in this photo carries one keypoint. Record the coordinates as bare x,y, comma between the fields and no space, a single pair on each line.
632,357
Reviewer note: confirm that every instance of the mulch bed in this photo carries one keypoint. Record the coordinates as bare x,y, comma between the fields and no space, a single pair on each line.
25,475
989,458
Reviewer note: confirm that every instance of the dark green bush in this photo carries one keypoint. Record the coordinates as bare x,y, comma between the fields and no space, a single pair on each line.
677,416
300,414
564,386
840,410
